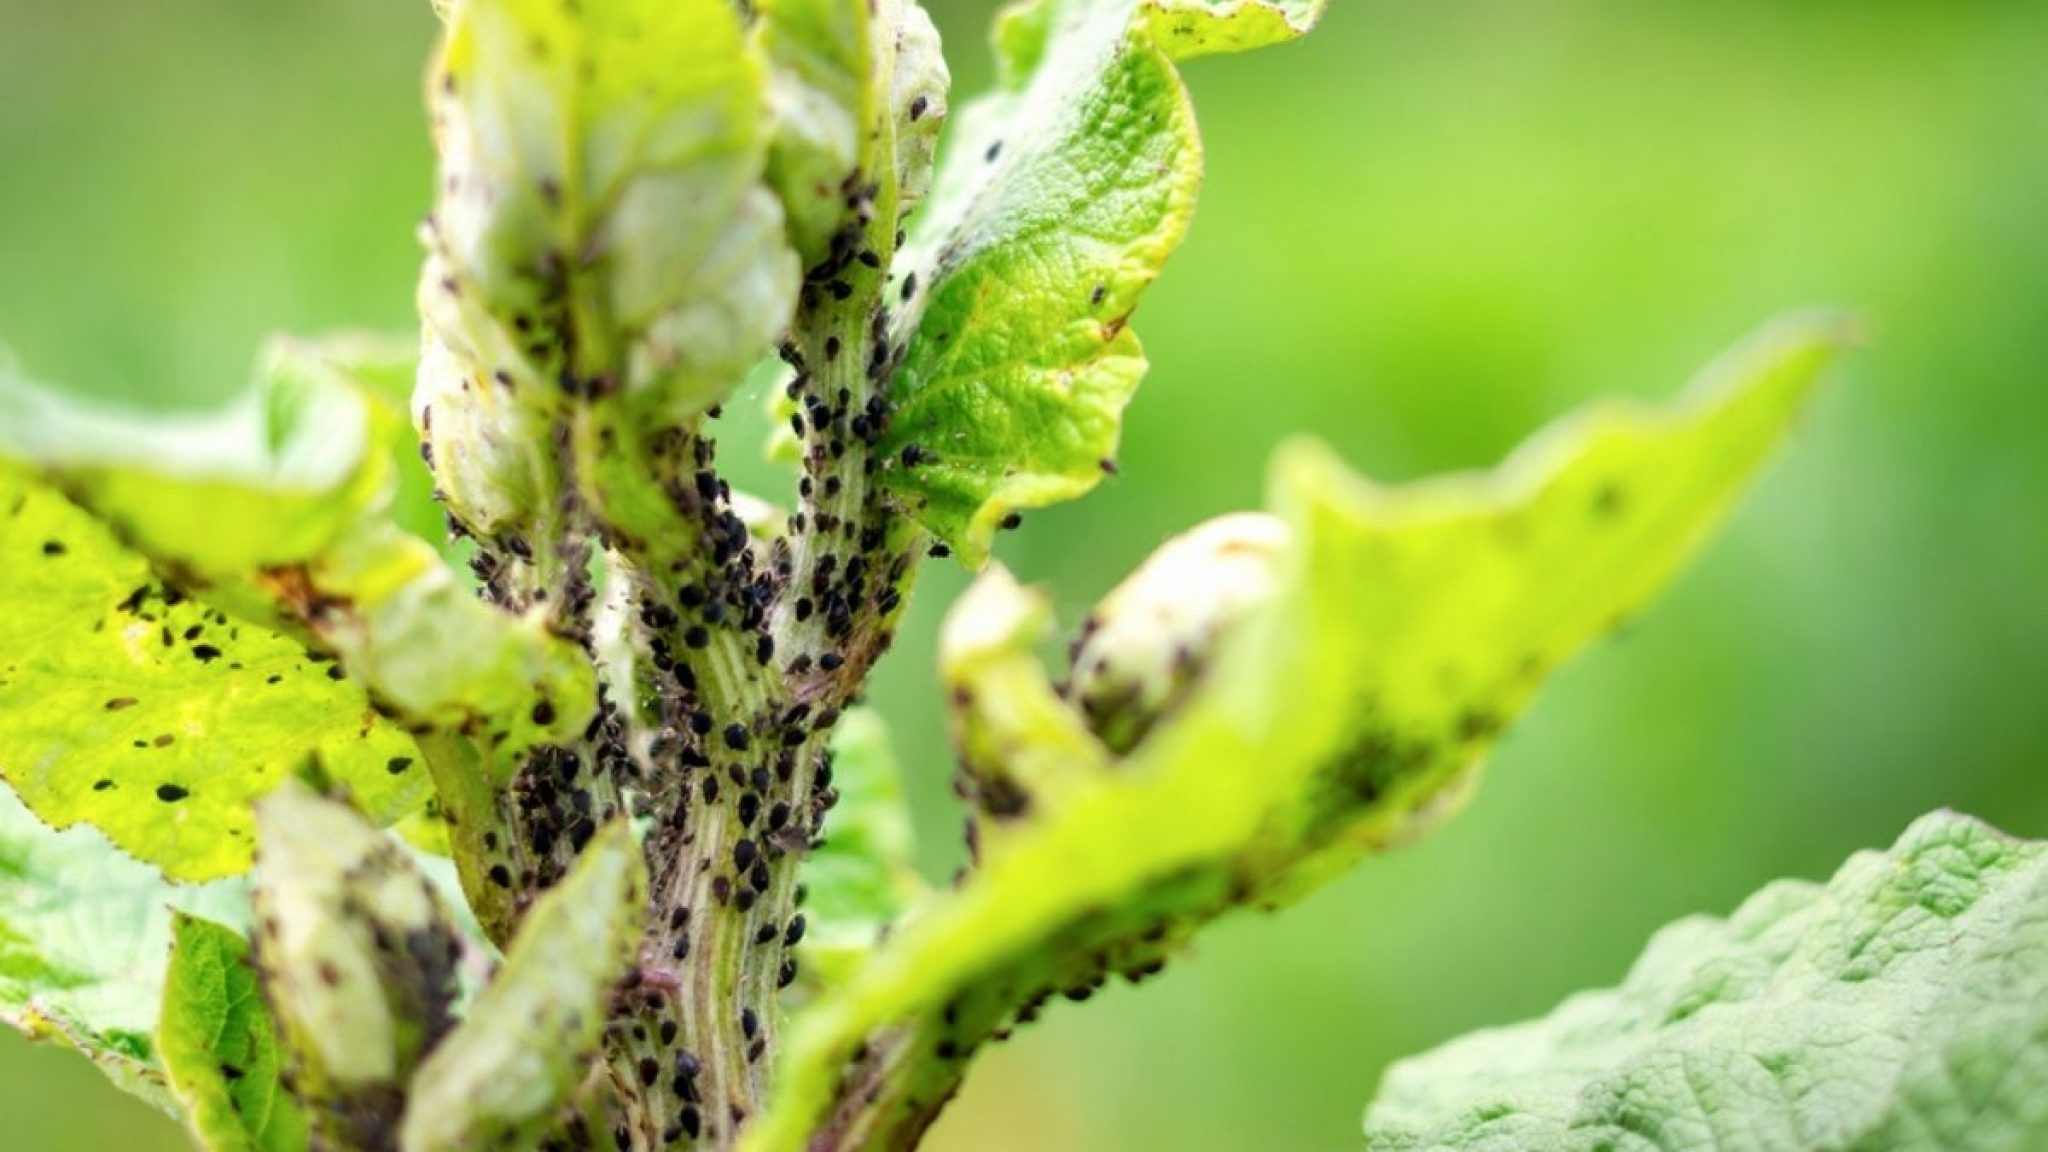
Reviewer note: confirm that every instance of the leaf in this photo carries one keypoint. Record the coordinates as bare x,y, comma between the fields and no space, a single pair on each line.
846,75
155,717
1347,713
602,221
220,1047
1058,200
1187,28
407,626
358,961
1023,750
276,476
155,664
863,875
384,368
503,1074
1901,1006
821,94
84,934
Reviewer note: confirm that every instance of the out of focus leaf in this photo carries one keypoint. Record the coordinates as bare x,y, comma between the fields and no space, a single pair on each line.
358,961
863,875
220,1047
85,933
1187,28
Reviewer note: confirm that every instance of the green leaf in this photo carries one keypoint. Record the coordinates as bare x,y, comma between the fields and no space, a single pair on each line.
155,675
384,368
1060,196
505,1072
821,92
1901,1006
863,875
220,1047
1187,28
849,75
358,960
84,935
274,477
405,624
156,717
602,220
1348,712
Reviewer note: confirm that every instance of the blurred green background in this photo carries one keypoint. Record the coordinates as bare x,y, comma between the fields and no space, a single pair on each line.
1427,229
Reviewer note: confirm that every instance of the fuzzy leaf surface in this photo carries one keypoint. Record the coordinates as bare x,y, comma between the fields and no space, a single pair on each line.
1901,1006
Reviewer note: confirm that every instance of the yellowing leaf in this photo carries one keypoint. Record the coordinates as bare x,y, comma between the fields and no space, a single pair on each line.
1187,28
156,717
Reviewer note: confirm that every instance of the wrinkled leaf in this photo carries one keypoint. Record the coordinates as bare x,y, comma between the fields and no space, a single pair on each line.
156,717
1350,712
219,1045
1902,1006
863,876
84,936
503,1074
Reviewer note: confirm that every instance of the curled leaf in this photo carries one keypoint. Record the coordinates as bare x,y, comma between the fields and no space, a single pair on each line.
601,225
502,1076
358,960
1146,645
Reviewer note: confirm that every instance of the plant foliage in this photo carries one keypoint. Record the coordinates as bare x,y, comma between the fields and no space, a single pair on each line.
244,642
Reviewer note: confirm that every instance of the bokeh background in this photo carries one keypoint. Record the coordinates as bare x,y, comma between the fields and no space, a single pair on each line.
1427,229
